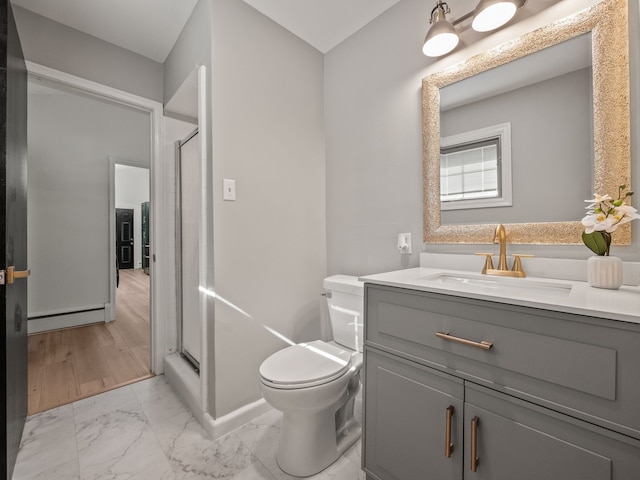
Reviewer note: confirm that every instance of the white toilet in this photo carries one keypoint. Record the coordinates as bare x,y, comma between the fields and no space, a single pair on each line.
314,385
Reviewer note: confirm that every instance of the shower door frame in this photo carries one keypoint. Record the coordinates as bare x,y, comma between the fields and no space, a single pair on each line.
179,260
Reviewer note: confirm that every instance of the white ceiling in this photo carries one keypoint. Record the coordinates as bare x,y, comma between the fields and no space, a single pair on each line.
151,27
147,27
322,23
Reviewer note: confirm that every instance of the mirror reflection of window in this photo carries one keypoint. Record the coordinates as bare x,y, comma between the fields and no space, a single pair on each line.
475,169
470,171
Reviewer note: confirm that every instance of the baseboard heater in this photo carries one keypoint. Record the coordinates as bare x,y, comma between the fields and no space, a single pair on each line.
68,317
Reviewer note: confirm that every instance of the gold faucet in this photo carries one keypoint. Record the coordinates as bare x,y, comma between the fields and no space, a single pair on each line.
500,237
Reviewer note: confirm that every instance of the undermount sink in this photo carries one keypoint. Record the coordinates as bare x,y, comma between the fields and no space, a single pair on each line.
499,285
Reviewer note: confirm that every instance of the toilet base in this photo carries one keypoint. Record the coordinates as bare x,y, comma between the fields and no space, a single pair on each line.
318,423
302,455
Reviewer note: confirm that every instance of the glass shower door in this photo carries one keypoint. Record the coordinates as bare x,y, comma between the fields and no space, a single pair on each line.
189,192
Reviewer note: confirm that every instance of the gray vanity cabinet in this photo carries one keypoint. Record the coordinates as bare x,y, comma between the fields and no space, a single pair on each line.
516,440
412,414
554,397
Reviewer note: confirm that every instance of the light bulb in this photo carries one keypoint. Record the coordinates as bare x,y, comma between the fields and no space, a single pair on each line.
493,16
440,44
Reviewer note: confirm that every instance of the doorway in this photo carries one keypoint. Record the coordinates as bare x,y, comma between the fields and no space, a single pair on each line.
86,339
110,340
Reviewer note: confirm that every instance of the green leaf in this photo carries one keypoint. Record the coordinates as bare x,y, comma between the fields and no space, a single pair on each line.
597,242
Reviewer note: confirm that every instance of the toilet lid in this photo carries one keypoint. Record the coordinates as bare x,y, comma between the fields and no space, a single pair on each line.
305,364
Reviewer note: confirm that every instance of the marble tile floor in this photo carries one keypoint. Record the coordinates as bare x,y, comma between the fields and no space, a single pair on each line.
143,432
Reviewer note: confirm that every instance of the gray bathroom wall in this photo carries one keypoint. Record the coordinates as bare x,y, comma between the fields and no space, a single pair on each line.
269,245
374,142
373,124
57,46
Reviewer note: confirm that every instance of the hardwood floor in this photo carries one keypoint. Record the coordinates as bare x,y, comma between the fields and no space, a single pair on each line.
67,365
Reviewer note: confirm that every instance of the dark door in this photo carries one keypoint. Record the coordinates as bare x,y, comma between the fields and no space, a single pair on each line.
13,238
124,237
144,212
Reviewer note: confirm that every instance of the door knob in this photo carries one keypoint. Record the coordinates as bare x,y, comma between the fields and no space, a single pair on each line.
12,274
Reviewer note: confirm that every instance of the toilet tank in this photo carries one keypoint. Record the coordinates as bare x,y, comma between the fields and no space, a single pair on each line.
345,299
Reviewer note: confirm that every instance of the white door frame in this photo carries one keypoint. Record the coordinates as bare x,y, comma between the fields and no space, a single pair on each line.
159,294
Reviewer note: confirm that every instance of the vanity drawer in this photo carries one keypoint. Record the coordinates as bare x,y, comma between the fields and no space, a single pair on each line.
583,366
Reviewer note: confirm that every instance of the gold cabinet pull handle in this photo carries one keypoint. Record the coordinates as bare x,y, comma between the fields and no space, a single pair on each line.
448,448
12,274
474,444
483,345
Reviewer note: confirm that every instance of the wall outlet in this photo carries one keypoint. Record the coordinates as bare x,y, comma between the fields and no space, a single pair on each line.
404,243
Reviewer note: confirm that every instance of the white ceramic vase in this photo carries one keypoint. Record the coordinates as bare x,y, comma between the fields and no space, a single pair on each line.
604,272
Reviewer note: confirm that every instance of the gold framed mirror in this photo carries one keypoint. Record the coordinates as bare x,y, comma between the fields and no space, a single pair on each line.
607,22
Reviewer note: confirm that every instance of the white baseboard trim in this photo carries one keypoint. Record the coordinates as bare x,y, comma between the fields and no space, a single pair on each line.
217,427
109,312
68,320
186,383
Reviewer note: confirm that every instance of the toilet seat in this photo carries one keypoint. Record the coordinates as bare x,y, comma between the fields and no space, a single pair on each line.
305,365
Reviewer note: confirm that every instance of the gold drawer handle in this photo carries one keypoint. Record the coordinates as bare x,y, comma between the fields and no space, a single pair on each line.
448,448
474,444
483,345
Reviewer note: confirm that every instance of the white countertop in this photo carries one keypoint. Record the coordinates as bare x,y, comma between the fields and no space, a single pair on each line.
570,296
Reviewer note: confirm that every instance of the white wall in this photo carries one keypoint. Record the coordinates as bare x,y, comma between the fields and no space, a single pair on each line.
374,145
265,252
374,142
269,245
57,46
70,140
131,189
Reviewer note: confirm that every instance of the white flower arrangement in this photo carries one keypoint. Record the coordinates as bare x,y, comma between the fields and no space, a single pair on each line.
604,216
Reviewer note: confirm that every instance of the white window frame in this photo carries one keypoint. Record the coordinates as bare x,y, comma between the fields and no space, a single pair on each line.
503,133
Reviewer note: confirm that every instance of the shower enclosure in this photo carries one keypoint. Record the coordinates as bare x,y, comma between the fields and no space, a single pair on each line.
188,183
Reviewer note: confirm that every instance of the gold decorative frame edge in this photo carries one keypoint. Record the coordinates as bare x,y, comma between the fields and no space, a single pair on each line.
608,22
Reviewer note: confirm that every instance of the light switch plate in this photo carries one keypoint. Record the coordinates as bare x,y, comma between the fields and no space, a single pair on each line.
229,189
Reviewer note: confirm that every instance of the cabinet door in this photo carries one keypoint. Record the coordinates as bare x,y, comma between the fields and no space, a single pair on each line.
408,411
518,440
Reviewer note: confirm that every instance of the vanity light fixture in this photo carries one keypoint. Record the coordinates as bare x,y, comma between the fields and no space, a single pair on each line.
488,15
441,37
